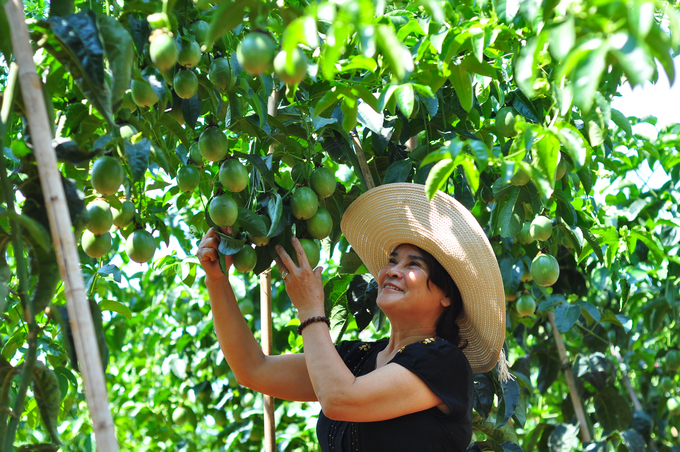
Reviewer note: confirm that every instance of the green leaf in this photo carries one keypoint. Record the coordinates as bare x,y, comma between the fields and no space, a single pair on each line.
81,52
112,305
396,55
438,176
510,401
511,214
398,171
566,315
574,143
120,53
506,9
471,173
251,222
137,156
622,122
274,210
652,242
526,65
641,18
38,233
48,396
562,38
5,40
229,245
588,72
635,60
462,82
612,410
361,295
405,99
227,16
329,99
174,127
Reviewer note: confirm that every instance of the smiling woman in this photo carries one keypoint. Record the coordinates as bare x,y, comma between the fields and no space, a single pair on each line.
441,289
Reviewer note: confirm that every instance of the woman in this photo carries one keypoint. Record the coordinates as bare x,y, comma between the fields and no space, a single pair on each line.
440,287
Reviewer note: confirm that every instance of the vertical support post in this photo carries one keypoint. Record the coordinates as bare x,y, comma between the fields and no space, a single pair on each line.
573,391
363,163
80,316
267,329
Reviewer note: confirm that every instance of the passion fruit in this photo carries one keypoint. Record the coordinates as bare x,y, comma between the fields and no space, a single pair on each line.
526,305
125,215
311,250
188,178
520,178
245,259
140,246
200,30
541,228
524,237
545,270
213,144
223,210
233,176
185,84
163,50
99,217
220,74
128,102
127,131
301,172
322,182
189,52
320,225
95,246
673,360
505,122
304,203
297,72
107,175
561,169
255,53
262,241
142,93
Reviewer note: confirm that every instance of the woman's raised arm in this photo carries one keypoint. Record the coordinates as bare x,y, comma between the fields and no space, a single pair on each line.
281,376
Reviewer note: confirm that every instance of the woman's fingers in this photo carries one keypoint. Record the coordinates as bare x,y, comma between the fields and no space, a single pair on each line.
282,267
286,259
301,255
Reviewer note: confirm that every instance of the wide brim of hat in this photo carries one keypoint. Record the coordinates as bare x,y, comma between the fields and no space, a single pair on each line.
389,215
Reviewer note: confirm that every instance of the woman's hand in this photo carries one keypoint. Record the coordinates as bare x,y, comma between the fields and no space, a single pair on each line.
208,254
304,285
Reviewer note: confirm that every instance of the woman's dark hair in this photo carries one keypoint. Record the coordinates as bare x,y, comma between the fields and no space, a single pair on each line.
447,328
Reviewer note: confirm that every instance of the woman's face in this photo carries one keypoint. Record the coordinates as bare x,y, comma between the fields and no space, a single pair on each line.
402,283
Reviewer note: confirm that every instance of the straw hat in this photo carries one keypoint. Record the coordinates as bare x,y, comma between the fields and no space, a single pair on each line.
389,215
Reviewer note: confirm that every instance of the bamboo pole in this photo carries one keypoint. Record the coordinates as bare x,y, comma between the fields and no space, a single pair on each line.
80,316
566,368
267,329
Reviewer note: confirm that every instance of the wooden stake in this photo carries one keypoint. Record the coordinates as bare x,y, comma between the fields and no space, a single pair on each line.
62,233
566,368
267,329
363,164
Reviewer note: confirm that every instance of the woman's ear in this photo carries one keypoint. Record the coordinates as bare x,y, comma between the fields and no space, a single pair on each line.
446,302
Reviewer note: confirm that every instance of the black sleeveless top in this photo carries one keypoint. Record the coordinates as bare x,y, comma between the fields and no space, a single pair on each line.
444,369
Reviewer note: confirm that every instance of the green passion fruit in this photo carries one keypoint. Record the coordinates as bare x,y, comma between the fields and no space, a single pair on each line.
128,102
505,122
107,175
541,228
200,30
545,270
163,50
245,259
213,144
525,306
223,210
673,360
189,52
296,73
311,250
220,74
95,246
304,203
99,217
301,172
140,246
524,235
322,182
520,178
188,178
195,156
127,131
255,53
142,93
185,84
125,215
320,225
561,169
233,176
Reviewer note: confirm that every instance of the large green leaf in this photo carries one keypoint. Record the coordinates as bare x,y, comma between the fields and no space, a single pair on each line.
137,156
120,53
79,48
46,391
612,410
462,83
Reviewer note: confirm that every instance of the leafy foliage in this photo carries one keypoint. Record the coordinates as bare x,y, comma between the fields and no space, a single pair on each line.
413,88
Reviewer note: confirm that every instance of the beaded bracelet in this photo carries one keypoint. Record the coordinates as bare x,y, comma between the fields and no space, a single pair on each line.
311,320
